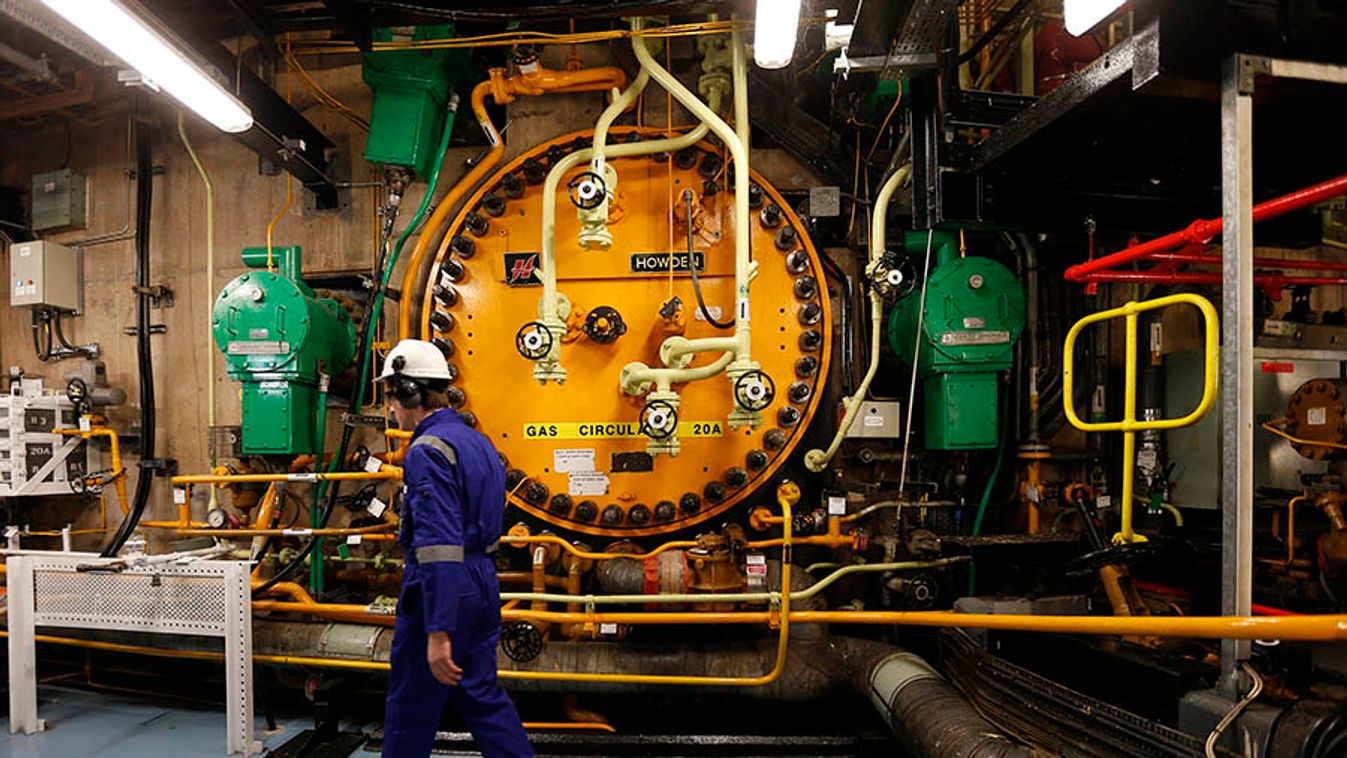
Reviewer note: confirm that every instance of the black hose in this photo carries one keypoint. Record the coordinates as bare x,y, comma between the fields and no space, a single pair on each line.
144,198
41,328
831,268
692,266
996,28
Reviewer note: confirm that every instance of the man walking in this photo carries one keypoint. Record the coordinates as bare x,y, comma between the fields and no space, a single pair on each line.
448,618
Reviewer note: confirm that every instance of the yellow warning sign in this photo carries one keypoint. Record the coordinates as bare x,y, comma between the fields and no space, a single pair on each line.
615,430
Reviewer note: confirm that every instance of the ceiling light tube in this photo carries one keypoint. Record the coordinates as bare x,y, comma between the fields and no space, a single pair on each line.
1083,15
159,61
774,30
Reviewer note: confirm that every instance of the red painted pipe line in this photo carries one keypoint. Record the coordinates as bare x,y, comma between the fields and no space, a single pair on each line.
1202,231
1182,594
1215,260
1275,281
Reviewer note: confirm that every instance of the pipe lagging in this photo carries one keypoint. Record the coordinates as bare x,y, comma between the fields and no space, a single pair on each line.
817,460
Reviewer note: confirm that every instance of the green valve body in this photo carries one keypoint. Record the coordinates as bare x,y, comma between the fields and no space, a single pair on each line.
411,88
974,315
278,336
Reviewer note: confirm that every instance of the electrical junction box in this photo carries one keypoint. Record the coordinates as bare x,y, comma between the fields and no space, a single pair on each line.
46,275
59,200
34,459
876,419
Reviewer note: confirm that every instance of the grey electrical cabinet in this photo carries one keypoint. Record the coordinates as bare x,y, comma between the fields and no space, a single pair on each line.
46,275
59,200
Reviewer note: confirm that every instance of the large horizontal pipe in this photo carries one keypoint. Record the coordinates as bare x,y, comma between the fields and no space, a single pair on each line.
1154,276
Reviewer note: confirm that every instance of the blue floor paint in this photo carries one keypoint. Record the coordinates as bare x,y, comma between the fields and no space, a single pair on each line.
85,724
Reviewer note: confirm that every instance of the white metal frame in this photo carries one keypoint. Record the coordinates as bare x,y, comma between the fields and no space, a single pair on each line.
1237,350
82,591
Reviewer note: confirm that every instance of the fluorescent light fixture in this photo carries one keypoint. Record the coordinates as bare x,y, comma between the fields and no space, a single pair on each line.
158,60
1082,15
774,30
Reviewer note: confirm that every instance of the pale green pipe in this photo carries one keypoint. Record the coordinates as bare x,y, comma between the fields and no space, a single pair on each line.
549,305
731,597
817,460
739,154
636,376
740,78
620,103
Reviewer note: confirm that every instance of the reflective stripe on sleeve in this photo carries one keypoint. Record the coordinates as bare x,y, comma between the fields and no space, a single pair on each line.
435,442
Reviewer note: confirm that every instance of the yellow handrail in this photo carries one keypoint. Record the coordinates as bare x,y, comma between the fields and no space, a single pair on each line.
1130,425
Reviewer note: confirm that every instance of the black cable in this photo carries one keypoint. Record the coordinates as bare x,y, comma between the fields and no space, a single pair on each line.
831,268
42,355
144,198
363,353
60,335
696,281
996,28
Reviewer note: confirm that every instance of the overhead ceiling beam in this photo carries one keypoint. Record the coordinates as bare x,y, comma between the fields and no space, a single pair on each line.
355,22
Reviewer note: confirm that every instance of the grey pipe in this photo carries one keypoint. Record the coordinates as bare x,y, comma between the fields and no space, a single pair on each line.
1026,255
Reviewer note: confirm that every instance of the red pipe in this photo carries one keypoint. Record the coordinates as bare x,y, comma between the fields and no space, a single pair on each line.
1273,281
1202,231
1199,259
1164,589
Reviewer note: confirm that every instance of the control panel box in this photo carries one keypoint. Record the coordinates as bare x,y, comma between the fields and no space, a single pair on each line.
59,200
34,458
876,419
44,274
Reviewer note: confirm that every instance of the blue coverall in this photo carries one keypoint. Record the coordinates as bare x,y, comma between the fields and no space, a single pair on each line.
451,518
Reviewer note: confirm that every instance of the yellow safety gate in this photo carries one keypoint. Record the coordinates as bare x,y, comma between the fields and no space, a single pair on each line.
1130,425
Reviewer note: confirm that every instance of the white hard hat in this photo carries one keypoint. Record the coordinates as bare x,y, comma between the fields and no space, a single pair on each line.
419,360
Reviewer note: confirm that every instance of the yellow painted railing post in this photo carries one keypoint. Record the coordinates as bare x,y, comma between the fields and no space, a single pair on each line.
1130,425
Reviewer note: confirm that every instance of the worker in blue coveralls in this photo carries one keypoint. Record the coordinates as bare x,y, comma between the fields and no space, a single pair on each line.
448,619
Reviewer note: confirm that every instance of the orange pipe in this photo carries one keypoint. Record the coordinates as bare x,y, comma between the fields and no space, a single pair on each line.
384,472
502,90
535,539
329,532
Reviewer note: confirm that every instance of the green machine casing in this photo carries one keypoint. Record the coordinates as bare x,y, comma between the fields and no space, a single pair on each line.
411,89
278,338
974,315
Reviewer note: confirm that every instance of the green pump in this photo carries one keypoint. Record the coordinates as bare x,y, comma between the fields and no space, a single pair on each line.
973,316
279,339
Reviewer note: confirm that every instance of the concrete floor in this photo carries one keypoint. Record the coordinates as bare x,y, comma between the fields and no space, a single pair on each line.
85,724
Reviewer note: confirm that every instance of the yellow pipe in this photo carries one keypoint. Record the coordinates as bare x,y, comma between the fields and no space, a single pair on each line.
306,532
817,460
594,726
1291,526
210,283
114,442
385,472
1297,440
537,539
1174,511
502,90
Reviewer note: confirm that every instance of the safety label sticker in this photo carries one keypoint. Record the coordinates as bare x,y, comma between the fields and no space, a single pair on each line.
266,347
573,460
614,430
587,483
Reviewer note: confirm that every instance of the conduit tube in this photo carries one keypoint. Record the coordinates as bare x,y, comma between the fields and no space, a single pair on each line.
210,286
502,90
817,460
743,265
144,358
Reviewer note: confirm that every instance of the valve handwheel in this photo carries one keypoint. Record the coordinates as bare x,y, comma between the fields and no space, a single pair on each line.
521,641
587,191
533,340
659,419
755,390
77,392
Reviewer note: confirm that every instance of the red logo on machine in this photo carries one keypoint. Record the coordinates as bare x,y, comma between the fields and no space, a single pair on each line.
521,270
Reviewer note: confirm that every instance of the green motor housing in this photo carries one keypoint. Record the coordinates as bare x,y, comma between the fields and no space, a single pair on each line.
411,89
278,337
974,315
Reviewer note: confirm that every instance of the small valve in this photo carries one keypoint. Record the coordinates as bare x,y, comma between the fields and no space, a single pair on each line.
587,191
533,340
891,277
754,390
659,419
604,325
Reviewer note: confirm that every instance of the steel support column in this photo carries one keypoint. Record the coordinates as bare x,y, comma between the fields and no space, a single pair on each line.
1237,316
